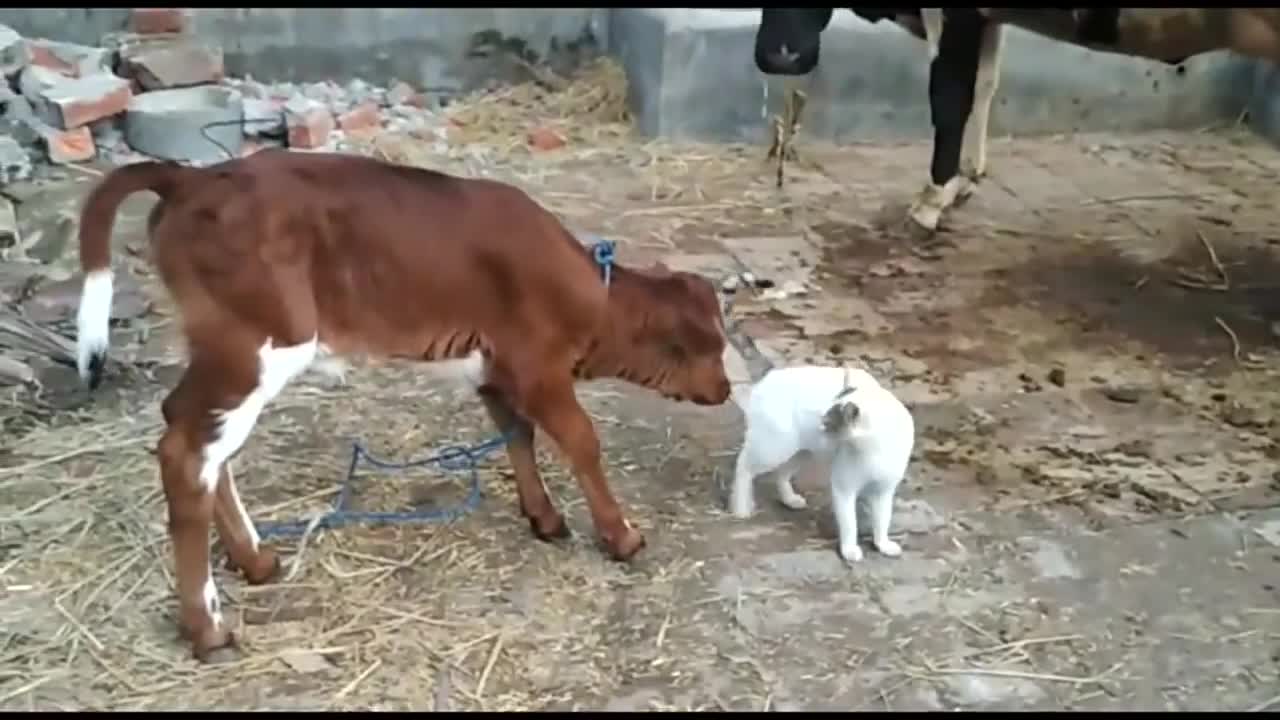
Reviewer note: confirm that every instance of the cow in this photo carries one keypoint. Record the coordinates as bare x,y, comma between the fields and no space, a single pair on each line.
964,63
281,259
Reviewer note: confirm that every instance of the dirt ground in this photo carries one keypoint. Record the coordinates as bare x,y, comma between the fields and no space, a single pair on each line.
1090,519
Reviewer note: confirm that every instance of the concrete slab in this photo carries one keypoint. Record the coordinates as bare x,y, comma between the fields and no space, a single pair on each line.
693,77
199,124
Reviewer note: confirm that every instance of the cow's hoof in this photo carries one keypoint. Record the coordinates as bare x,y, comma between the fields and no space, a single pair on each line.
918,232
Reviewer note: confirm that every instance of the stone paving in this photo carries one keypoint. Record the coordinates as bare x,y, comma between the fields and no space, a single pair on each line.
1090,519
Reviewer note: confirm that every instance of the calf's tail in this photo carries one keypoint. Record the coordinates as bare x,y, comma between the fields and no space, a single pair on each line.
96,220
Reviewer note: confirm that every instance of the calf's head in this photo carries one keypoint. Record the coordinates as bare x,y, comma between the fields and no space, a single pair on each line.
788,41
669,336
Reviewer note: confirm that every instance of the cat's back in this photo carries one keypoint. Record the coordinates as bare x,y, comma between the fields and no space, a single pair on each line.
796,390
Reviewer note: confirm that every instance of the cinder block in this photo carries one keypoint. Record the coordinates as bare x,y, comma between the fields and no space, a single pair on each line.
692,76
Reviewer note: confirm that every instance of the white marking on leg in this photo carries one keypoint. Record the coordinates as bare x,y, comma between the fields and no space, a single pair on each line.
238,507
93,319
973,150
932,18
880,507
276,367
212,603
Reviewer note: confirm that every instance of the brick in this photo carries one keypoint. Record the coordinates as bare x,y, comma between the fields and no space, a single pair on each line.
68,59
362,119
69,103
69,146
174,64
151,21
400,94
545,139
309,123
14,54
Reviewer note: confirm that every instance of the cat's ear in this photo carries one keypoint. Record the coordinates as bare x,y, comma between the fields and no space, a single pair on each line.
840,416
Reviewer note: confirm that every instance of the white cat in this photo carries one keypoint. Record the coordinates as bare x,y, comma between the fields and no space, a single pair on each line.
828,413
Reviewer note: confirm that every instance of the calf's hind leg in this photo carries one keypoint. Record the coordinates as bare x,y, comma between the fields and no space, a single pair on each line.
209,417
239,536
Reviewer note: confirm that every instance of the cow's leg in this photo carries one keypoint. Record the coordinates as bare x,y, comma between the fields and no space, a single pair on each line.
535,504
952,75
209,416
973,154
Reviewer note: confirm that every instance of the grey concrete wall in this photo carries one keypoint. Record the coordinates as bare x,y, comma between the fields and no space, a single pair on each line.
428,47
693,77
691,70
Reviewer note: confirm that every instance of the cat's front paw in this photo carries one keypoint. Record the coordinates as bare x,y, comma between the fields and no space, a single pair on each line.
851,553
889,548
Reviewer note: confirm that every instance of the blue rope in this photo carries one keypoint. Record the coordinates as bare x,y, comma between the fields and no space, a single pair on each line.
602,251
454,457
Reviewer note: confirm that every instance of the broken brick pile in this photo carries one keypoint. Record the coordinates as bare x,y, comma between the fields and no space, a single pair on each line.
70,101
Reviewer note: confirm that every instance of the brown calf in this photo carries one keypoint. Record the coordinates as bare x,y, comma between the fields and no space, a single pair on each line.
280,258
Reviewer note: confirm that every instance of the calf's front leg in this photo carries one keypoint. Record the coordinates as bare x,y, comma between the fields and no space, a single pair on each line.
554,407
547,522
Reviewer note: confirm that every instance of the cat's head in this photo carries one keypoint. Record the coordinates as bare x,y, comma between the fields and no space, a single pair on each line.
843,413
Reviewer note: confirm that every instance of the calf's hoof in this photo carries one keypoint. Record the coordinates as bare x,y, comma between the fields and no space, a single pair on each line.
625,545
224,655
213,646
549,527
265,569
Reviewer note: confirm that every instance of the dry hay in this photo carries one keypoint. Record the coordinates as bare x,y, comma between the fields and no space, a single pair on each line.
373,617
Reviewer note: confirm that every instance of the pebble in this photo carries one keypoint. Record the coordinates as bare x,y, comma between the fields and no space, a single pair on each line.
1058,376
1122,394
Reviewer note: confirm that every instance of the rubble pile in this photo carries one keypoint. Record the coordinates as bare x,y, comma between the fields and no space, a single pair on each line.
145,93
153,90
